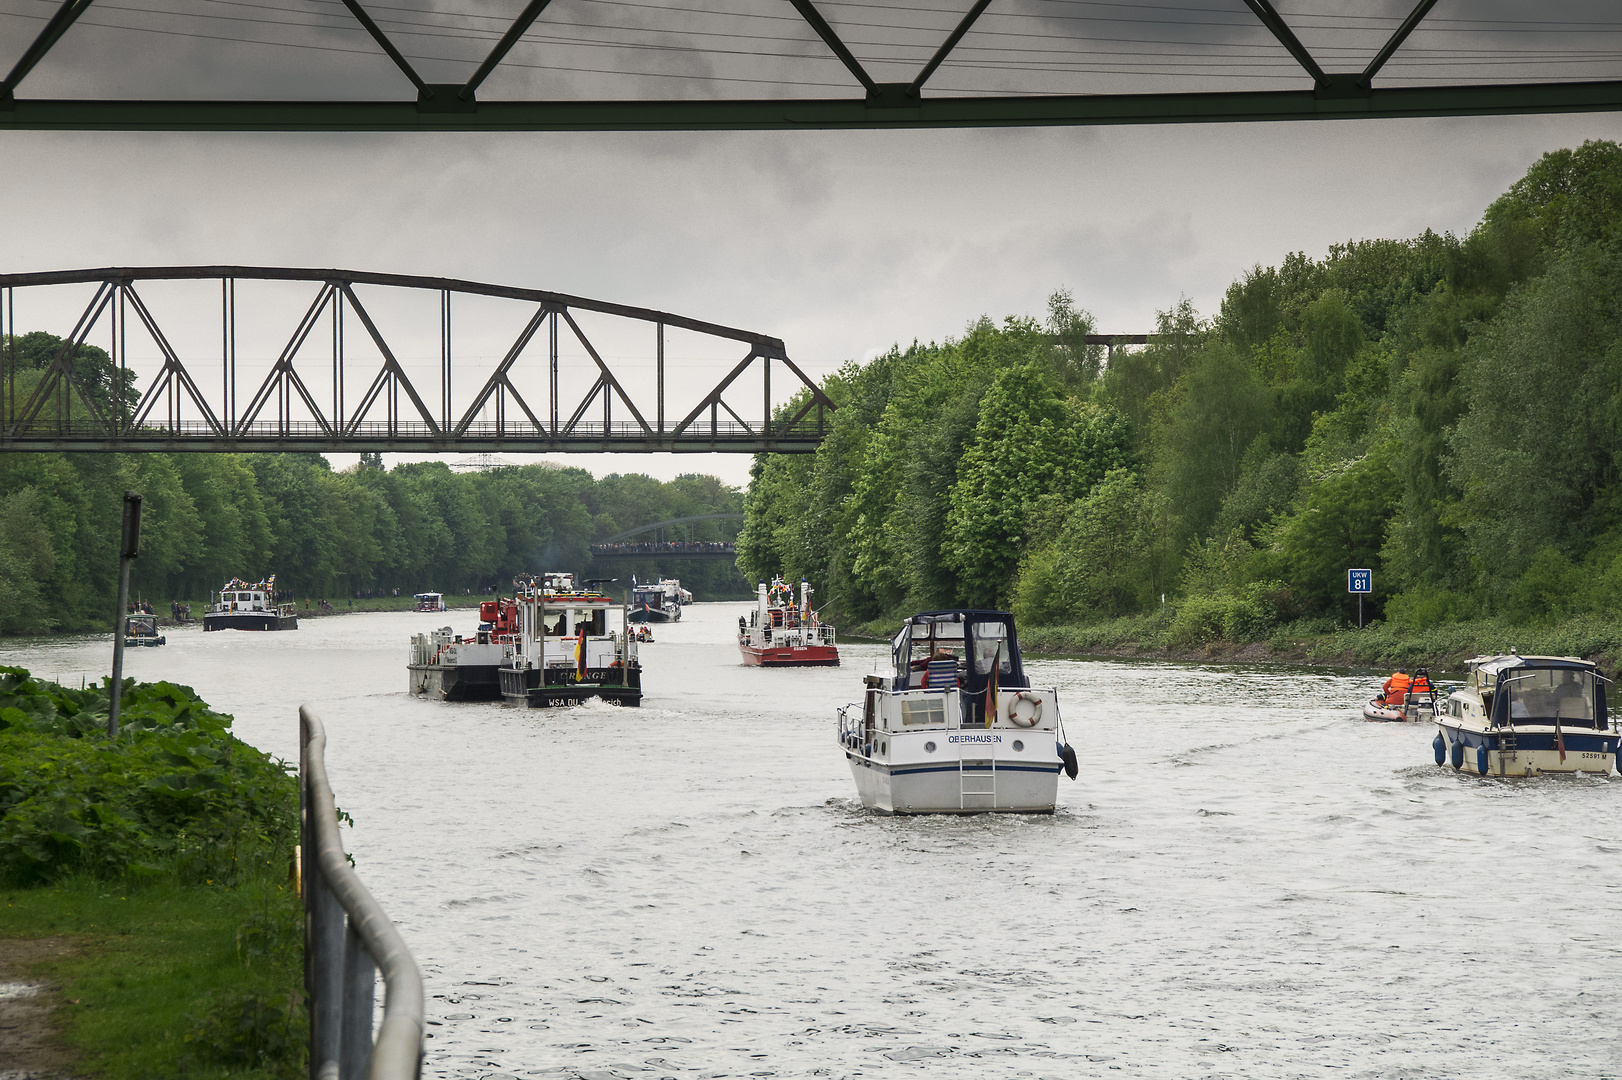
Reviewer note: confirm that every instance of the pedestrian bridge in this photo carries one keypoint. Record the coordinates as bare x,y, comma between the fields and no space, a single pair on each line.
637,543
238,359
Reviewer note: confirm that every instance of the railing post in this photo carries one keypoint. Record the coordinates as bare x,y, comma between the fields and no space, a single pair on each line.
359,997
327,970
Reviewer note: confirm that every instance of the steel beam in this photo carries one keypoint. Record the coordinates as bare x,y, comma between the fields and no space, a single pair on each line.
156,441
1342,100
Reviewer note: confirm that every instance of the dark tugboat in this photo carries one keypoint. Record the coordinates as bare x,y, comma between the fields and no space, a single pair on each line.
567,650
242,606
655,603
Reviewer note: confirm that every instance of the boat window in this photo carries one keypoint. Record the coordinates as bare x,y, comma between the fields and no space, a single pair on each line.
596,623
989,638
1544,693
555,627
929,710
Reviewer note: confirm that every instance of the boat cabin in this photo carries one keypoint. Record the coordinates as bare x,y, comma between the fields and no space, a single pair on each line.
972,641
1531,690
141,625
652,596
236,597
429,601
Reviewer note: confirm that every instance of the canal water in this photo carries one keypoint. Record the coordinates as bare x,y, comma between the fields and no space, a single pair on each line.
1246,880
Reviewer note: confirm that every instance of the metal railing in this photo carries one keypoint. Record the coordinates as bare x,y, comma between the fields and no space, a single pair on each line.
83,433
347,939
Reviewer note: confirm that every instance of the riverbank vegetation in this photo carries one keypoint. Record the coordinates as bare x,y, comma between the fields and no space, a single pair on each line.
325,534
1442,410
159,864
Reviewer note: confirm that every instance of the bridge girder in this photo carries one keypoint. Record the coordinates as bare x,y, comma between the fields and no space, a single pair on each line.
1348,94
308,419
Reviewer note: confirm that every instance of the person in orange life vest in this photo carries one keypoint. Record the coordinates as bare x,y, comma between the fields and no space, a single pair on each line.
1396,688
942,670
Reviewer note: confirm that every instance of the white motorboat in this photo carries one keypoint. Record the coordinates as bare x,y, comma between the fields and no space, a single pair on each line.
1528,715
957,729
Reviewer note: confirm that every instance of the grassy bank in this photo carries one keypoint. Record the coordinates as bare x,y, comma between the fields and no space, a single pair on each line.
1184,636
169,979
156,867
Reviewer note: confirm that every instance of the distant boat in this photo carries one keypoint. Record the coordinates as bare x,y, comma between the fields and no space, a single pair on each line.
958,728
785,632
429,601
655,603
142,630
241,606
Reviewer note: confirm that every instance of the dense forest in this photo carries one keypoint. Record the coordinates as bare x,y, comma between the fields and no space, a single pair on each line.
323,533
1444,410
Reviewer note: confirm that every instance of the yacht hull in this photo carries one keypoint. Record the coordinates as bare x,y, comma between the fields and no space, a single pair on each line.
1524,752
949,789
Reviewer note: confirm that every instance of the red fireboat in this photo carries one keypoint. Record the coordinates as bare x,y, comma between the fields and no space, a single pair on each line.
781,632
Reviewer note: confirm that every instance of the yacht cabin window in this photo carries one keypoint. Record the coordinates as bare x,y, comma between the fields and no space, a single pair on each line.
1544,693
990,641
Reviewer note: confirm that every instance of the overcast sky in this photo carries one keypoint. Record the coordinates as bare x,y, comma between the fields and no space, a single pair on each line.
842,244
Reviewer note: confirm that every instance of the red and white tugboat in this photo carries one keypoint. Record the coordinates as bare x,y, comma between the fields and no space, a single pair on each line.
783,633
570,647
242,606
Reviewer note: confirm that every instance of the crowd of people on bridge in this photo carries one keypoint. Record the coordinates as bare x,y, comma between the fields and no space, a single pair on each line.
664,546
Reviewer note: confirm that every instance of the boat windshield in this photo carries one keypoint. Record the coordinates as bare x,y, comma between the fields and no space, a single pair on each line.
1545,693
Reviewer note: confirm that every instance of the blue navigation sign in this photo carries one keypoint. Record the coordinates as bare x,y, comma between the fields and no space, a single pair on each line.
1360,581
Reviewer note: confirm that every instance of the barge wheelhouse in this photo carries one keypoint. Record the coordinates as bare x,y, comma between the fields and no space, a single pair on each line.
781,632
1527,715
958,728
241,606
568,648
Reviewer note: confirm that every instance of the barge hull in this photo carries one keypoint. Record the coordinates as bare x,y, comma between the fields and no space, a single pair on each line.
462,682
525,688
249,620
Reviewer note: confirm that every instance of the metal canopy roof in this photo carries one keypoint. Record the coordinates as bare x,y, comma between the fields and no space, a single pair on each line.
456,65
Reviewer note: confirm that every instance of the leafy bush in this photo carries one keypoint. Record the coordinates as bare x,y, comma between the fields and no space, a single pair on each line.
1425,606
252,1029
1200,620
174,791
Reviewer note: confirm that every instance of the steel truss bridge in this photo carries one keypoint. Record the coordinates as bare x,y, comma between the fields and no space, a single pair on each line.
1003,64
333,381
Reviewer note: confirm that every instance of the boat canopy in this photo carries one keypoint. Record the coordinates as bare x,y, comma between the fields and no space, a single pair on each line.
1541,690
976,639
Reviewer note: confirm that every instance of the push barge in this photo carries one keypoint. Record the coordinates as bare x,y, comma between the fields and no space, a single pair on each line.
451,667
781,632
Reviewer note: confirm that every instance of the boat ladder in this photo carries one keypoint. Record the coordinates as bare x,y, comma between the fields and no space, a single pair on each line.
1506,748
976,779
